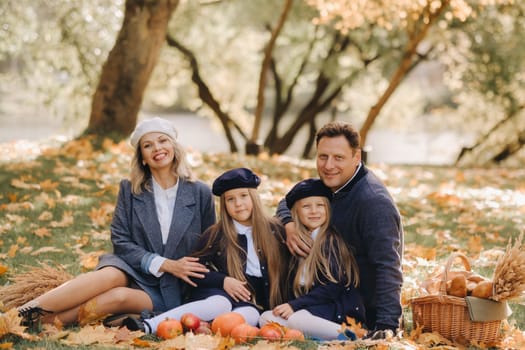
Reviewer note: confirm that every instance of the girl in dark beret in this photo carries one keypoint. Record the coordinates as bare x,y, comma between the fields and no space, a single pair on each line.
245,252
323,283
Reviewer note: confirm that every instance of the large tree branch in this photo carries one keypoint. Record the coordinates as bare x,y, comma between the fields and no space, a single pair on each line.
507,150
406,64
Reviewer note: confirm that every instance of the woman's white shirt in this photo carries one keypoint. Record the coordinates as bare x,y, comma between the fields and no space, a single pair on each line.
164,204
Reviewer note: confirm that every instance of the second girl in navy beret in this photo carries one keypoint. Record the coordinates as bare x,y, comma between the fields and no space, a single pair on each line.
324,283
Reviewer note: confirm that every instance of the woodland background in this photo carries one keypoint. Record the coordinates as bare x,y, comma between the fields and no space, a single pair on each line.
267,74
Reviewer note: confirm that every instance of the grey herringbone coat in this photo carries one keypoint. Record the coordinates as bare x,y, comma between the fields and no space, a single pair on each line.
137,238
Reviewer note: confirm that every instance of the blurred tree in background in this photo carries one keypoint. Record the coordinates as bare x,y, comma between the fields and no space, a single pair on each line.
128,68
319,60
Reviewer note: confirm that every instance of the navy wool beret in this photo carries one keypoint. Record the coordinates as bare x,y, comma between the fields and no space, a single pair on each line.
235,178
307,188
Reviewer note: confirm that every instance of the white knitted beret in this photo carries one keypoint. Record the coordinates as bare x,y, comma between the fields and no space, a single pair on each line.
155,124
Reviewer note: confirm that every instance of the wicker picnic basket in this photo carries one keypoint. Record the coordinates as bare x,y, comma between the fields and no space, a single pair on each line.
449,315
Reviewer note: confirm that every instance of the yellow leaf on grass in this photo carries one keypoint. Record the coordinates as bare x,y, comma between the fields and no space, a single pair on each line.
54,331
101,216
201,341
89,335
90,260
141,343
18,183
432,339
88,313
67,220
14,207
83,241
45,199
3,269
416,332
45,216
48,185
124,335
10,324
475,244
6,346
428,253
42,232
12,251
12,197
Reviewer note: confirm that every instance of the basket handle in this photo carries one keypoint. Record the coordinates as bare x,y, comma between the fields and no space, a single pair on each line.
448,265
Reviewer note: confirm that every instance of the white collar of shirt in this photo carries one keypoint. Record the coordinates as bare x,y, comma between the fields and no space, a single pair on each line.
253,265
165,204
346,183
315,233
242,229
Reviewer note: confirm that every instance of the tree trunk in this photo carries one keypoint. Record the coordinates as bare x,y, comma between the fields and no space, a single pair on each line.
325,92
129,65
405,66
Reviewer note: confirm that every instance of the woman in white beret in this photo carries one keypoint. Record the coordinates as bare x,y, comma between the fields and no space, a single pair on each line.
160,212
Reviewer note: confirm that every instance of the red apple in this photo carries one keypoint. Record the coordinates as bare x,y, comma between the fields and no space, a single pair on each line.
204,328
190,322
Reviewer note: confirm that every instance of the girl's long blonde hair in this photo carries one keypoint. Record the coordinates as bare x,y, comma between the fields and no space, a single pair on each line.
141,173
328,247
265,242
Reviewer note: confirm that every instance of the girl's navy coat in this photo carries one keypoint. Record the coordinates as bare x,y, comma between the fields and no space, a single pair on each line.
137,238
215,259
331,301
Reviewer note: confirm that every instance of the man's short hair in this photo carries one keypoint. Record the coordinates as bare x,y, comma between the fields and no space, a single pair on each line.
340,128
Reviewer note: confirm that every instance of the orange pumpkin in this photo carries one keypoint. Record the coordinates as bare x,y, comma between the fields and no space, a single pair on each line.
293,334
271,331
223,324
244,332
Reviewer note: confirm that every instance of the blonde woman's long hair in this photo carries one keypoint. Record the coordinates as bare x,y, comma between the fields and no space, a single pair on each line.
140,173
328,246
264,242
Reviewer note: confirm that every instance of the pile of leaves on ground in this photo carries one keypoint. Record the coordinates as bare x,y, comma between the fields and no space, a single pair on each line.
56,203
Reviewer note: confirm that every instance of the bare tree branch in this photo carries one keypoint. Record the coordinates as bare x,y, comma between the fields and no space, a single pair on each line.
406,64
206,95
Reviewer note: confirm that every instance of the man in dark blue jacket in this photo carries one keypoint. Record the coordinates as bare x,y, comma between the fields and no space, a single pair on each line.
366,216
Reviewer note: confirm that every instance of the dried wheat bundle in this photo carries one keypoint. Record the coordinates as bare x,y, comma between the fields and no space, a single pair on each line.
509,274
28,285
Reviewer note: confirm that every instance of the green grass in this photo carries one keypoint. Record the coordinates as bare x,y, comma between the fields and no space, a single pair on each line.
444,209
